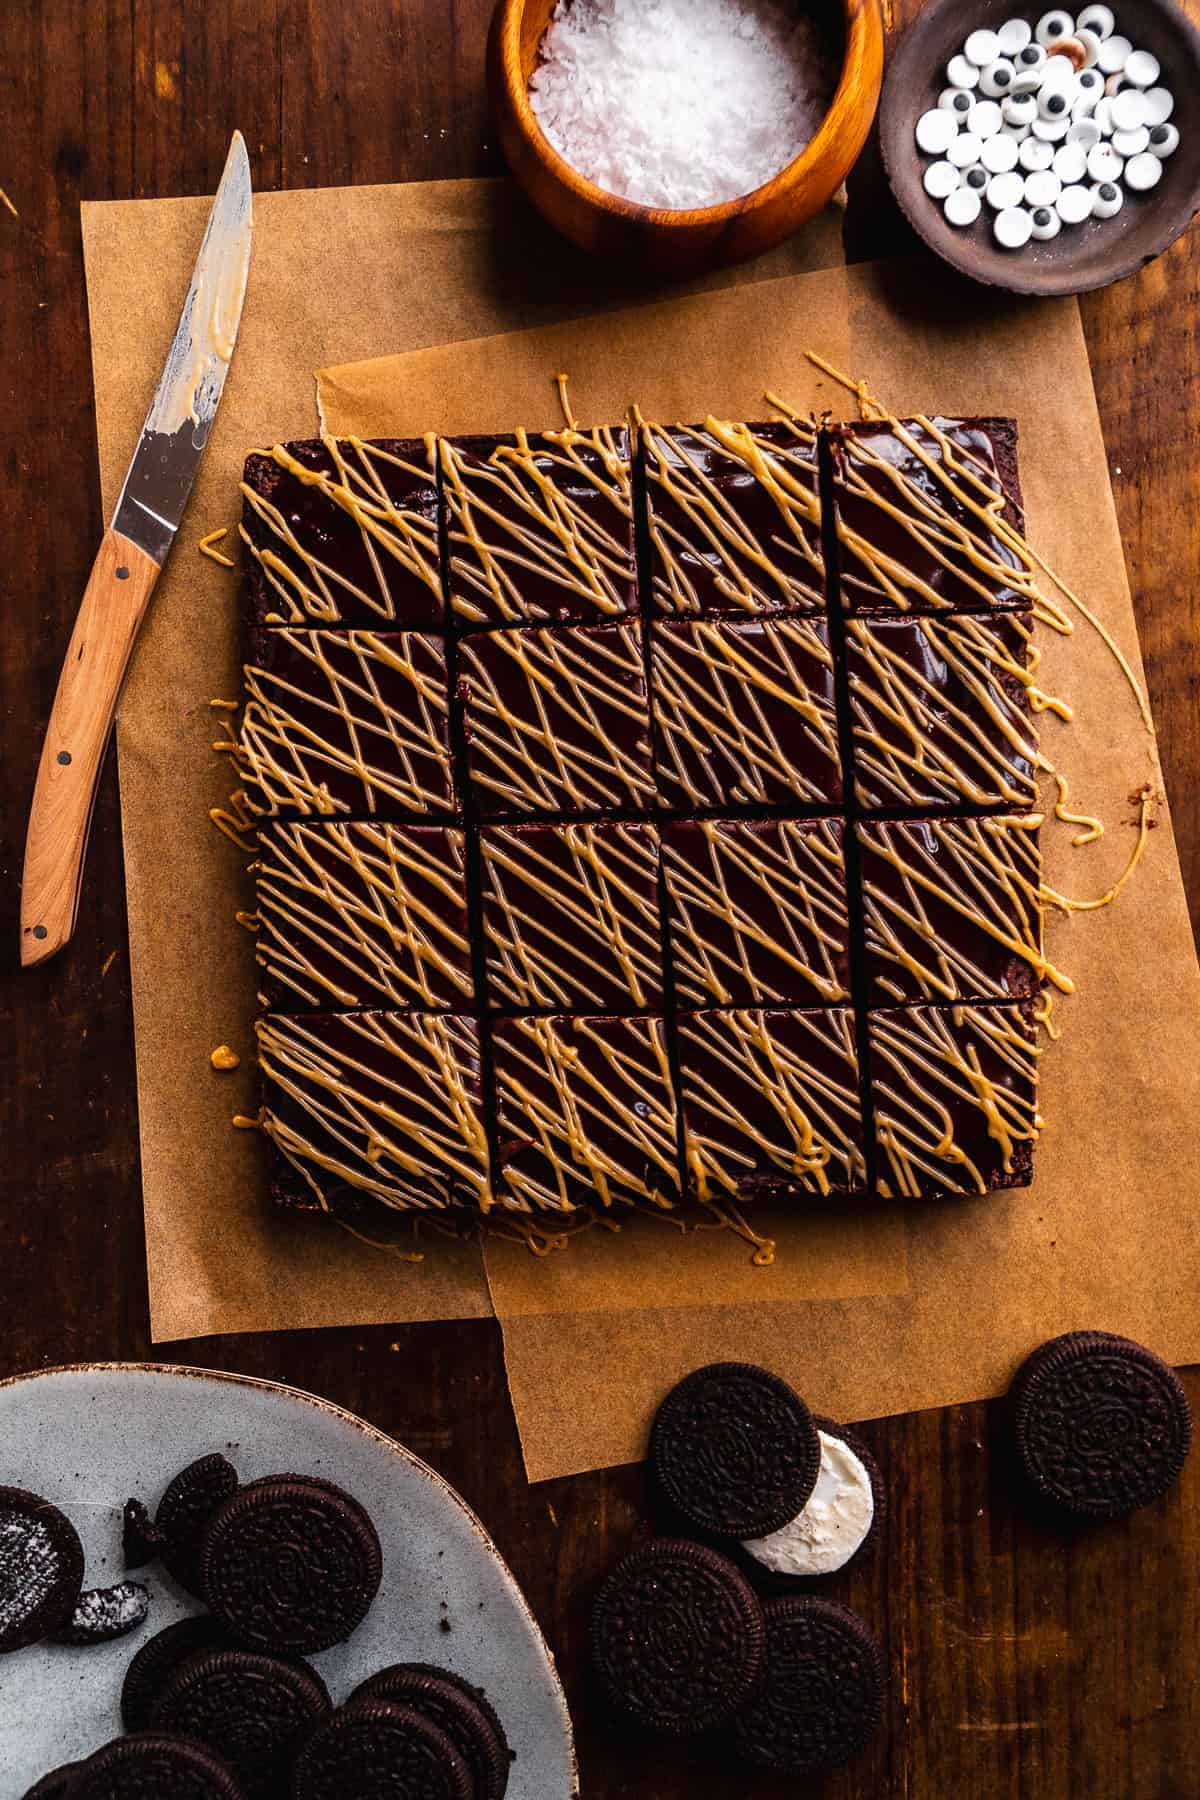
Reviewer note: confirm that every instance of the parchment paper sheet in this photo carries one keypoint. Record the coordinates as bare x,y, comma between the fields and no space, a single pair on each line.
336,273
1107,1234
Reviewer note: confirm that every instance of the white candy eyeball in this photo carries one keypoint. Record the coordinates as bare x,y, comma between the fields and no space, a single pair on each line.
1114,52
1054,103
940,179
1052,26
997,79
1089,87
955,100
1128,109
1070,163
1019,109
1013,36
985,119
936,131
962,74
1026,81
1033,56
1042,188
1142,69
1051,131
1045,223
1103,163
1018,133
1131,143
1013,227
1107,200
982,48
1103,116
976,179
1085,133
1074,205
964,151
1058,71
999,154
1160,104
1091,47
1099,19
1005,190
1035,154
962,207
1143,172
1164,140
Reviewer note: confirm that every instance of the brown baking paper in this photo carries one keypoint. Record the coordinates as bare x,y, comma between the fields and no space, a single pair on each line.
336,273
1105,1236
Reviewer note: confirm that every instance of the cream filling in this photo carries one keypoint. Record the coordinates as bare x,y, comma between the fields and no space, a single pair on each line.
834,1524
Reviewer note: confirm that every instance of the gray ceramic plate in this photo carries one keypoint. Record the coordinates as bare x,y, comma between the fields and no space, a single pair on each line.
88,1437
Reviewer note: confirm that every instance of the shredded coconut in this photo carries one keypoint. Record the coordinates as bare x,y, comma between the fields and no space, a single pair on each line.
683,103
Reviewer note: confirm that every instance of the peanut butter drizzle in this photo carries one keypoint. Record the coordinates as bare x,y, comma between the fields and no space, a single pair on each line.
408,1132
207,547
1042,1015
7,204
801,886
236,821
1093,828
249,921
350,891
390,534
1145,800
223,1057
598,918
692,720
573,1127
553,537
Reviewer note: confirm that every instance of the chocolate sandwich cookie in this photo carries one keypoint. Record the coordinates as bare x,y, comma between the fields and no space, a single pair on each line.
1102,1425
55,1785
457,1709
184,1511
152,1765
291,1565
821,1696
141,1540
735,1451
102,1614
251,1709
677,1637
842,1513
152,1668
375,1750
41,1568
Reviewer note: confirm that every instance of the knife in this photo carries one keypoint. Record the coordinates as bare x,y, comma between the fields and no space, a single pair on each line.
129,562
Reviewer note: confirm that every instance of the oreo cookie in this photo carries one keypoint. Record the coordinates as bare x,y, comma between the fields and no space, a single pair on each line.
457,1709
735,1451
154,1765
1101,1424
375,1750
291,1564
184,1511
157,1660
41,1568
820,1700
102,1614
840,1517
55,1785
251,1709
677,1637
141,1540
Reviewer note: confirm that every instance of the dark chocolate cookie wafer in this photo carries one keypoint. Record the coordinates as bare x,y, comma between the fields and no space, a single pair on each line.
677,1636
41,1568
375,1750
102,1614
842,1515
184,1511
141,1540
291,1565
1102,1425
251,1709
55,1785
821,1697
157,1661
154,1765
735,1450
457,1709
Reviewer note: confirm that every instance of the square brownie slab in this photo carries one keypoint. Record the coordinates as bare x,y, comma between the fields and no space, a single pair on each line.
915,512
744,713
362,915
940,713
770,1103
585,1113
955,1095
556,720
374,1107
734,518
570,916
952,909
349,722
539,527
757,911
338,532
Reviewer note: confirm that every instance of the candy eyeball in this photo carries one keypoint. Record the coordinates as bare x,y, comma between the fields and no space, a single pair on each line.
1114,53
976,179
1070,163
964,151
1005,190
1035,154
1086,133
982,48
1091,47
962,207
1141,68
962,74
1054,103
1128,109
1052,26
1099,19
1103,163
936,131
941,178
1088,90
997,79
985,119
1031,57
1164,140
1051,131
1013,36
1143,172
1160,104
1074,205
1013,227
1131,143
1107,200
1019,109
1042,188
999,154
955,100
1044,223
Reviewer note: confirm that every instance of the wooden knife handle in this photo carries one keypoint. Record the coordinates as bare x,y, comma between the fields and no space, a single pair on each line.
114,604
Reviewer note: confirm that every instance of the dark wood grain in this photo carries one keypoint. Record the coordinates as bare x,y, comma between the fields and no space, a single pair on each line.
1026,1664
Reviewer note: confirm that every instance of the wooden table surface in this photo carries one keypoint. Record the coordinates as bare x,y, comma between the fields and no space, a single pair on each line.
1026,1664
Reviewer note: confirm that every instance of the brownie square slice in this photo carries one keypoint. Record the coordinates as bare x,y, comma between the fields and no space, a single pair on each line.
556,720
585,1113
539,528
374,1107
570,916
915,515
952,909
744,713
757,911
955,1095
347,722
362,915
770,1103
734,518
338,532
940,713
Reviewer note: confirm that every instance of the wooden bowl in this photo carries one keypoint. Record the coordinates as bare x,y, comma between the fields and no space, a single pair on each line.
1081,257
679,242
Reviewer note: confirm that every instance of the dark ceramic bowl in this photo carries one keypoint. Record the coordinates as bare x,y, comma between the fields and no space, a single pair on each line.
1081,256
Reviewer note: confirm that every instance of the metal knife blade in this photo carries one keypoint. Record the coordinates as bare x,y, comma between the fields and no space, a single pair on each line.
181,413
